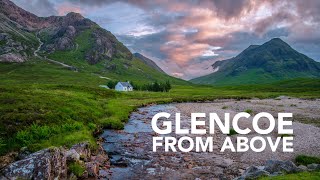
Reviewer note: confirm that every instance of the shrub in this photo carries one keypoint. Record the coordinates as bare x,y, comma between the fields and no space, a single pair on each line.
2,144
76,168
248,111
72,126
92,126
305,160
37,133
40,132
112,124
24,137
225,107
232,132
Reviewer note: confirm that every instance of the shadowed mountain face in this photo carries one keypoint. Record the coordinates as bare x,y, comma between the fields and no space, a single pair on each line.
148,61
274,60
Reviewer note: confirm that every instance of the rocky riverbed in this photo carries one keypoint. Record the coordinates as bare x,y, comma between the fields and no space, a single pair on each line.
131,154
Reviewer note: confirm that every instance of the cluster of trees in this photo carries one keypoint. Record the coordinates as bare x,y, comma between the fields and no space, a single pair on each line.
155,86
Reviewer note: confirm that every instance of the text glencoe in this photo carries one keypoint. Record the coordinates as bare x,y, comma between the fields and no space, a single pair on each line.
206,144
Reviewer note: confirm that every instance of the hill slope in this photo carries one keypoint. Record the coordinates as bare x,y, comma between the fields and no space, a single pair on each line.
148,61
73,40
274,60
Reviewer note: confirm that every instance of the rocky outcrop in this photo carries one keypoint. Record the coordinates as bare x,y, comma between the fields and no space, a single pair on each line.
45,164
12,57
12,50
52,163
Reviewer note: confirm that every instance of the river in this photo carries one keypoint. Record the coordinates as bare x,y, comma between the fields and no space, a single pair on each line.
131,155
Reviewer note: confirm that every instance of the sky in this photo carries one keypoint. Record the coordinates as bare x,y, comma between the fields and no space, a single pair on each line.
185,37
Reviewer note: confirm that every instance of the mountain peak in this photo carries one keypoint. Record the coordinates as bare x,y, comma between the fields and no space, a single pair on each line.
277,39
272,61
75,15
277,42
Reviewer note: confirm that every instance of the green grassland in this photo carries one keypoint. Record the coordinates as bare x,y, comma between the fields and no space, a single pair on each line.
314,175
44,104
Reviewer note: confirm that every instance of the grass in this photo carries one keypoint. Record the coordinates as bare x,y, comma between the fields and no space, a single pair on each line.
43,104
76,168
305,160
249,111
232,132
314,175
286,135
225,107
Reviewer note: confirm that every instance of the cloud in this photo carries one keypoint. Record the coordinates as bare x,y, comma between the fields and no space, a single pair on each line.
182,36
66,7
38,7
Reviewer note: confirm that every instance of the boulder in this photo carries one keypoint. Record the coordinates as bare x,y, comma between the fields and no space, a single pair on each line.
72,155
12,57
92,169
254,172
274,166
302,168
313,166
83,149
45,164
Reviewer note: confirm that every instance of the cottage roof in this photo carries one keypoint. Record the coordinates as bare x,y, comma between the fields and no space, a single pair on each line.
126,84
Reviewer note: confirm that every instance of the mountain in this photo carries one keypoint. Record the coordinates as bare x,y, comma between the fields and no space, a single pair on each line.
57,33
71,41
272,61
148,61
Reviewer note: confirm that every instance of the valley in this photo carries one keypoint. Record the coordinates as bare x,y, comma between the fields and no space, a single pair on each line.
53,76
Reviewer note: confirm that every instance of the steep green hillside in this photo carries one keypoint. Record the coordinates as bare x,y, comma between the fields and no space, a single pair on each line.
273,61
77,42
117,68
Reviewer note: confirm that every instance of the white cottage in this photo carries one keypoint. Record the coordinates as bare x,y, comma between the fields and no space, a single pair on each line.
123,86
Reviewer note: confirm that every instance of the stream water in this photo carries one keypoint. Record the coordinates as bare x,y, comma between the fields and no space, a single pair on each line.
131,154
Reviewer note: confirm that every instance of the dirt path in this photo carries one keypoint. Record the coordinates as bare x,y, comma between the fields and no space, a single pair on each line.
50,60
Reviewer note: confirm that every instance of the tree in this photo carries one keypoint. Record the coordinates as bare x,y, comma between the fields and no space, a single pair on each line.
111,84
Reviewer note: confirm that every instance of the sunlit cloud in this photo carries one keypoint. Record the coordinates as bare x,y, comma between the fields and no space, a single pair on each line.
185,37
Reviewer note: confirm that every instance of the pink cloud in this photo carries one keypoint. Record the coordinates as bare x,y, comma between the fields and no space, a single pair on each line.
65,8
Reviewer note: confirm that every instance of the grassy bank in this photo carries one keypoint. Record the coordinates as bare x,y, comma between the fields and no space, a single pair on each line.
314,175
43,104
